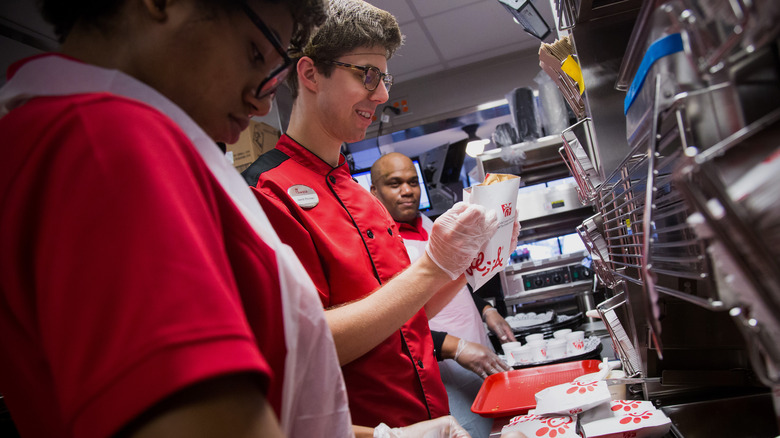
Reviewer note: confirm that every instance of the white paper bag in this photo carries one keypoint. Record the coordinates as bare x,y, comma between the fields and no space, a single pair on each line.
502,198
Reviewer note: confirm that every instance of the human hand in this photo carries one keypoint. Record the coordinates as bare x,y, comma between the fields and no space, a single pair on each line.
513,434
498,325
515,233
442,427
479,359
458,235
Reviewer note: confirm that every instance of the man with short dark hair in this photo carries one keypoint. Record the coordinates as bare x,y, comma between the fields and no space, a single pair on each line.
458,326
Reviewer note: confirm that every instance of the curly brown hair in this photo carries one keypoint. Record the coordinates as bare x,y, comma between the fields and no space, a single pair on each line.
351,24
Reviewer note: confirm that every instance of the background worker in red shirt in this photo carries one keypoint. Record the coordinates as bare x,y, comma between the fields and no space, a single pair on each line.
394,182
344,236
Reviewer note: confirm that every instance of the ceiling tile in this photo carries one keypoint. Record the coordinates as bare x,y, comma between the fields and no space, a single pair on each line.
399,8
416,53
429,8
473,29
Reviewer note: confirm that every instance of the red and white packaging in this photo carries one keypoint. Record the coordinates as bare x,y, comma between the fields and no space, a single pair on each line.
639,423
571,398
542,426
615,408
498,193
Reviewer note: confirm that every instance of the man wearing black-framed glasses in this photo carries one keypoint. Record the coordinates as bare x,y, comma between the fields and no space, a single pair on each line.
269,85
372,76
345,238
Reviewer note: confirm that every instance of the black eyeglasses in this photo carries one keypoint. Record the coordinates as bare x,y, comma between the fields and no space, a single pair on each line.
277,76
371,75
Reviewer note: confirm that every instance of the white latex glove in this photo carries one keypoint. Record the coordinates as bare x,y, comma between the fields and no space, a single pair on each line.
515,233
459,235
498,325
479,359
442,427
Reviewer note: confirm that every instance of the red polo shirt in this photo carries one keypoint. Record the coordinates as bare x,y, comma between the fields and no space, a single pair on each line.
349,245
413,231
126,271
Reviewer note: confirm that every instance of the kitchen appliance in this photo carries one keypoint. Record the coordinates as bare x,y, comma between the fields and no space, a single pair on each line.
676,116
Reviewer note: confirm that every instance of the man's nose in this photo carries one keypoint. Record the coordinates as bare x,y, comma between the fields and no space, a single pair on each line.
380,93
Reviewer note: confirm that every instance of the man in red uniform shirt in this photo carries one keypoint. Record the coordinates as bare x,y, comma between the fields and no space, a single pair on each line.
344,236
394,182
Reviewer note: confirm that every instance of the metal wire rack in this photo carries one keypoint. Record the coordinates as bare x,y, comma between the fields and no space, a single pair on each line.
575,156
623,346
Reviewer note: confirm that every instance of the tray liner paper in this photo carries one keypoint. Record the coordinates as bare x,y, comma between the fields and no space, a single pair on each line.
499,193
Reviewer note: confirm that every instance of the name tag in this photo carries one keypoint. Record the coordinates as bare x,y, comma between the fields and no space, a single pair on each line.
304,196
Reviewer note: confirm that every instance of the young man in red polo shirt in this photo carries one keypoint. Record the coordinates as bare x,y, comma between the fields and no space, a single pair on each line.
344,236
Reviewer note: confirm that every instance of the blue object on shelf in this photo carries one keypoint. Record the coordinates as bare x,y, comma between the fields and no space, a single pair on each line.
665,46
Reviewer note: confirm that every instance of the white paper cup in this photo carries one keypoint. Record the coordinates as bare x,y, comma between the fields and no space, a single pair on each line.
534,337
561,334
523,355
509,346
575,343
617,391
539,350
556,348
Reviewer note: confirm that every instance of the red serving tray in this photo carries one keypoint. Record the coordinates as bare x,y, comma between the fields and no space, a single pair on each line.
513,392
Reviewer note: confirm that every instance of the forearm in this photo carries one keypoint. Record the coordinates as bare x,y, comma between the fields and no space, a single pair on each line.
449,347
363,431
443,296
359,326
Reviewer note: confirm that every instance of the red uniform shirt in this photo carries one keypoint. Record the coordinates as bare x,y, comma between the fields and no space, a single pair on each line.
126,272
349,245
414,231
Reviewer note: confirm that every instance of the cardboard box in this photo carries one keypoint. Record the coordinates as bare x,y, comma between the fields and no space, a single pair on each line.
256,140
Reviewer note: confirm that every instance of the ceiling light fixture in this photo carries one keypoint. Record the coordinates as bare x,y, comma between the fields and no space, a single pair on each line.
475,145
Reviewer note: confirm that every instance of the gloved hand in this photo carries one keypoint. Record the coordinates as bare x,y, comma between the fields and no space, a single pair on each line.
515,233
479,359
498,325
458,235
442,427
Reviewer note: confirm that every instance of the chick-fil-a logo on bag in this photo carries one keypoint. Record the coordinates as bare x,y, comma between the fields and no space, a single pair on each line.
636,417
523,419
581,387
485,267
624,405
554,426
507,209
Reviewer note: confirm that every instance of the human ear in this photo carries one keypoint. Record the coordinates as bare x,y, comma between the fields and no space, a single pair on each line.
307,73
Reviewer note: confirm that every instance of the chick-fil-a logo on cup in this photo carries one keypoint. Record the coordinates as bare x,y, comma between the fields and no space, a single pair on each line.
507,209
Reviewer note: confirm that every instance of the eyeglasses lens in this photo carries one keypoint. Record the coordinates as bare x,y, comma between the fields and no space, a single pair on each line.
372,78
271,83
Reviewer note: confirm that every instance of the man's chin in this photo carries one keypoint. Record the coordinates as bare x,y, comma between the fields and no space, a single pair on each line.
408,216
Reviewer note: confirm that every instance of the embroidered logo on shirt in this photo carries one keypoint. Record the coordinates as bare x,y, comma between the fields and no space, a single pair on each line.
304,196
